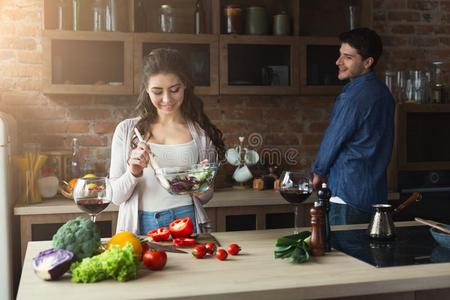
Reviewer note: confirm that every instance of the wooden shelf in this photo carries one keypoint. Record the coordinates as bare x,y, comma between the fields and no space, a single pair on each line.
85,62
200,49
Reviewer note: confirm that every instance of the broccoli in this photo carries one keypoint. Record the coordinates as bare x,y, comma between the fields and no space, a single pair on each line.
78,236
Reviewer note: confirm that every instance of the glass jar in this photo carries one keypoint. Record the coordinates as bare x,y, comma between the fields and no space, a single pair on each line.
233,19
62,15
166,19
98,16
76,15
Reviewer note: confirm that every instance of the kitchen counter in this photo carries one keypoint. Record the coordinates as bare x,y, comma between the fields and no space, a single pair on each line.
226,204
254,274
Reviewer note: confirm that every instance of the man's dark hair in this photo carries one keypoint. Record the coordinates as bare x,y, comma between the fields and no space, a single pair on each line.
366,41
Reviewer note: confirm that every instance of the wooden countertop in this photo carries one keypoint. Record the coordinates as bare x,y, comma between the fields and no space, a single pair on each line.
222,198
254,274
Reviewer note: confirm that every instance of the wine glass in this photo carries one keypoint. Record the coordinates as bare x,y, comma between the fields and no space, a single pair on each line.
296,187
92,195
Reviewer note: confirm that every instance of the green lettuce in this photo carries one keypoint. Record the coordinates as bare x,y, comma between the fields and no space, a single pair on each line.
118,263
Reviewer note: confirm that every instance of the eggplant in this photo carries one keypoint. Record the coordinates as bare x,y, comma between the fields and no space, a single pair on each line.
52,263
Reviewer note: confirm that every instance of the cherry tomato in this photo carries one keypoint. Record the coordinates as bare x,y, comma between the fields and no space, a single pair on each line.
210,248
184,242
155,260
221,254
181,228
144,248
199,251
159,234
233,249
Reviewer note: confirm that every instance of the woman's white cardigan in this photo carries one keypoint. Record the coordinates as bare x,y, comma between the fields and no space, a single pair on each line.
125,193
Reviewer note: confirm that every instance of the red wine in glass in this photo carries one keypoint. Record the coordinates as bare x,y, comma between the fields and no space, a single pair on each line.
92,206
295,187
295,196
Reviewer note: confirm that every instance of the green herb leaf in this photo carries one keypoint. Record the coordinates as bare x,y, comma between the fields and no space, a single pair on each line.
295,247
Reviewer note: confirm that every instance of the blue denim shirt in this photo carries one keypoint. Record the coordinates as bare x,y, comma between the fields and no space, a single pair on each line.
357,145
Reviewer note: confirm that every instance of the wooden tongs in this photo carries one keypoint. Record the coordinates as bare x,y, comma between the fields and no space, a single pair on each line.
433,224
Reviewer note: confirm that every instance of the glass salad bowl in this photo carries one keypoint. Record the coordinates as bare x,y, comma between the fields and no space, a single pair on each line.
185,180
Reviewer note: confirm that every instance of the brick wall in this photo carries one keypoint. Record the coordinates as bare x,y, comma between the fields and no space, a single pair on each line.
414,32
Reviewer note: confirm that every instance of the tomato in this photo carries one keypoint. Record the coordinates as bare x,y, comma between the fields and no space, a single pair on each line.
221,254
184,242
160,234
199,251
210,248
155,260
181,228
233,249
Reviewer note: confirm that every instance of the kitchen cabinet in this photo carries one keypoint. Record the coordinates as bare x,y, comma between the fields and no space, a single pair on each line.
201,51
299,64
87,63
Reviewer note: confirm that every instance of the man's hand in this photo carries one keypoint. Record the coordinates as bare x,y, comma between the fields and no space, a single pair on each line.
318,180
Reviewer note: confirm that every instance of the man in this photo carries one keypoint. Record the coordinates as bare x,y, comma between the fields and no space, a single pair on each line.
356,148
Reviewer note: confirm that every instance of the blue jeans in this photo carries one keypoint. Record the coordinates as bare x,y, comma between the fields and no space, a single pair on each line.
341,214
149,220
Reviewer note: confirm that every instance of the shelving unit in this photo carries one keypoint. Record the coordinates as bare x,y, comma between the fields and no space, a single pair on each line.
299,64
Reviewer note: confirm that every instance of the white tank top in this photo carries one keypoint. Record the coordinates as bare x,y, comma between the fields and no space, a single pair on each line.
153,196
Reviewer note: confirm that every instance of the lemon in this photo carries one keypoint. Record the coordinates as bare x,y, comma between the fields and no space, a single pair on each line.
90,175
91,186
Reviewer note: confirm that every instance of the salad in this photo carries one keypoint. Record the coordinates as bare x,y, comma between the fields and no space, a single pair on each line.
179,181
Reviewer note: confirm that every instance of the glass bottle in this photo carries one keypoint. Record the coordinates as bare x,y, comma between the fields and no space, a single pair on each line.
166,19
98,16
62,15
74,163
199,18
75,15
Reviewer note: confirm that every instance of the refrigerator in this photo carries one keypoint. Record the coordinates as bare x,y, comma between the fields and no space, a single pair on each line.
9,258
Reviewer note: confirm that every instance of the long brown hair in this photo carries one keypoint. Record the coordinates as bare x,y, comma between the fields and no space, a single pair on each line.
170,61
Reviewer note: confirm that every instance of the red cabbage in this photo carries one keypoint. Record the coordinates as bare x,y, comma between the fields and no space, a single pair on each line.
52,263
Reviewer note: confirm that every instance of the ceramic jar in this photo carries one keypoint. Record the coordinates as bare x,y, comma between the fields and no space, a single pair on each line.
281,24
256,22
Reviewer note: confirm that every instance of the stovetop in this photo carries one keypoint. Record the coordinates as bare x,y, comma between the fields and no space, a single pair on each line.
411,246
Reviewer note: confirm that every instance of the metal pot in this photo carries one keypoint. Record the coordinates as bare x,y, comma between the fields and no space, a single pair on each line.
382,225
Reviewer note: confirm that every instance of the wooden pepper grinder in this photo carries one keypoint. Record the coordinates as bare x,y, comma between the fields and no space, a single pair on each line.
317,243
324,195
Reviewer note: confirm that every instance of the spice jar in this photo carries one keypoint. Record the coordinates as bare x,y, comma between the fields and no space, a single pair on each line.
258,184
166,19
233,19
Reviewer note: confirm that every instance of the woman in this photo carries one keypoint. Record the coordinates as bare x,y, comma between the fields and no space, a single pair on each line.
172,120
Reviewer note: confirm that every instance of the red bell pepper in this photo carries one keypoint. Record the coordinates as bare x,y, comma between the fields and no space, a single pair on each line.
159,234
184,242
181,228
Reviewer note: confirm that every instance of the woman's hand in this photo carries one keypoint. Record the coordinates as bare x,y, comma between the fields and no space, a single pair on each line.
139,158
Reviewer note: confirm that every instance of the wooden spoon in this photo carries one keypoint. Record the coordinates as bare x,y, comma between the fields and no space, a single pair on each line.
433,224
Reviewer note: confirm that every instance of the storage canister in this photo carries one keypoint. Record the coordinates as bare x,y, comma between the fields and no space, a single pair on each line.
256,21
281,24
233,19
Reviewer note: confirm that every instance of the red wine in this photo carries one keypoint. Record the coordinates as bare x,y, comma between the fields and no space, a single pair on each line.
294,195
92,205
